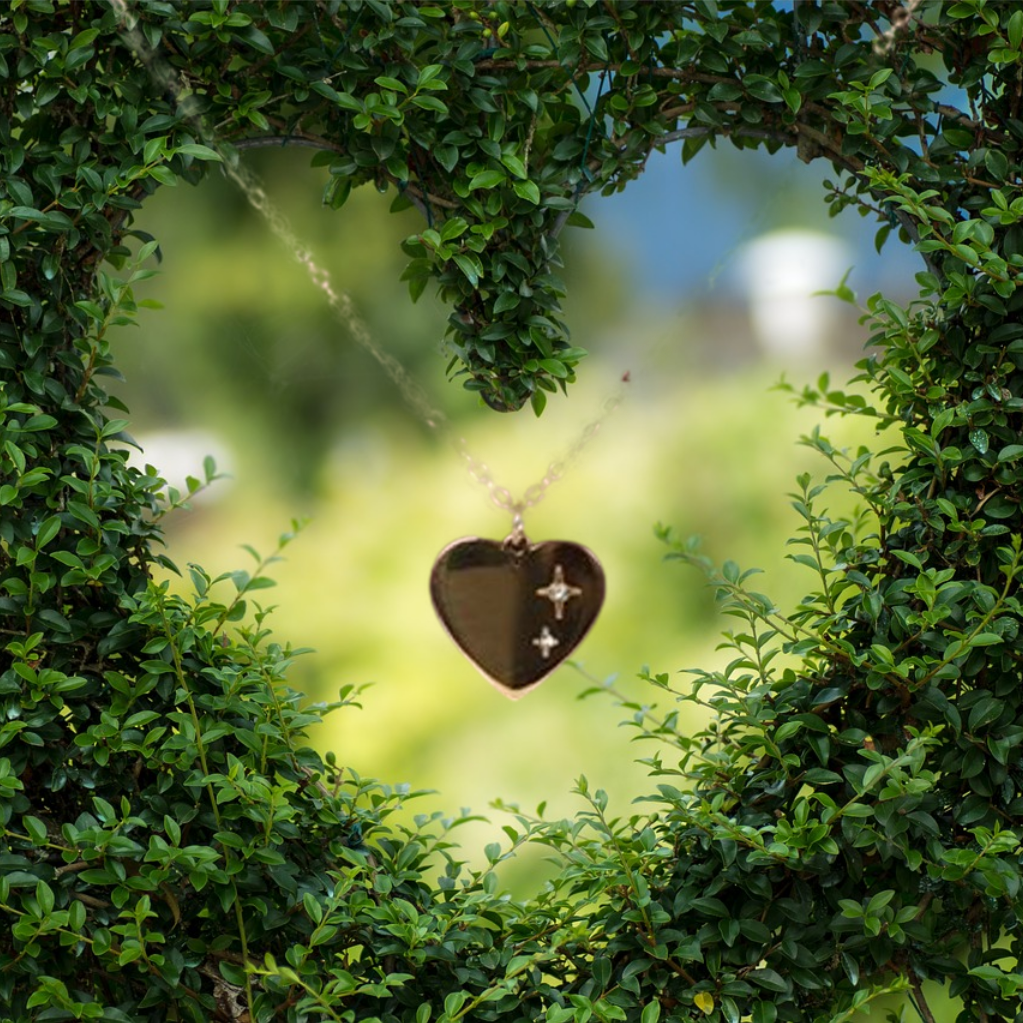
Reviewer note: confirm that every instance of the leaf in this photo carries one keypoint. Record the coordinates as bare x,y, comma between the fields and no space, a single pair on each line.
770,979
762,88
257,40
84,38
555,368
36,829
153,148
487,179
199,152
446,156
453,227
704,1001
506,301
386,82
987,639
942,420
979,439
879,901
44,896
515,165
1014,30
764,1012
430,103
529,191
47,531
651,1012
470,266
428,74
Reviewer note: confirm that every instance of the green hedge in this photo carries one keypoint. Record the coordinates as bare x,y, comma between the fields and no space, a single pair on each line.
847,825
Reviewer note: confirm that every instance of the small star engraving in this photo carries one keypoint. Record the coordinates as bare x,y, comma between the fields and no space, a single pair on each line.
559,592
546,642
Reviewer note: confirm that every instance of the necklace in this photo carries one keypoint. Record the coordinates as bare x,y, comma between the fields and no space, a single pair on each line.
516,609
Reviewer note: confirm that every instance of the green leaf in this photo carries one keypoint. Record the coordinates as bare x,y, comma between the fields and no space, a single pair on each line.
257,40
942,420
154,148
47,531
769,979
172,829
555,368
44,896
393,84
76,915
764,1012
506,301
36,829
515,165
879,901
487,179
527,190
199,152
430,103
1014,30
428,74
470,266
446,156
763,88
453,227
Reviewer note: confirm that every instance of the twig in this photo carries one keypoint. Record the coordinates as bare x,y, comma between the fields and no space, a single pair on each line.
920,1002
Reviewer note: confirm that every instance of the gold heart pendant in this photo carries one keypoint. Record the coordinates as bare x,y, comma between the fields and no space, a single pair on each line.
514,608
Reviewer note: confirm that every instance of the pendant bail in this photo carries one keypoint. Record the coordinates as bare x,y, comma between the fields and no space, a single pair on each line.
517,537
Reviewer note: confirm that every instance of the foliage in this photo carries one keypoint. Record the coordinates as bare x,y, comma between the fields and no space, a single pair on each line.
845,826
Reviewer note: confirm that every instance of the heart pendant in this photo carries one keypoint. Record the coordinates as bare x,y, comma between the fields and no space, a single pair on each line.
516,609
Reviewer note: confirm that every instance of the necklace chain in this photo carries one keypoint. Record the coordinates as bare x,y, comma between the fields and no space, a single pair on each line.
343,308
502,497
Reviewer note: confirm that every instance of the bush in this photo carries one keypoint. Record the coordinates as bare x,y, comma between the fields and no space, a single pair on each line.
846,826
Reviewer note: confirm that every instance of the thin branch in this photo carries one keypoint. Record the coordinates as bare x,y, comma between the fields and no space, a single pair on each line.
686,75
921,1003
283,141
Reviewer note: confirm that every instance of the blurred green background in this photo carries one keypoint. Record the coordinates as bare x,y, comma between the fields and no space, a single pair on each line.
247,362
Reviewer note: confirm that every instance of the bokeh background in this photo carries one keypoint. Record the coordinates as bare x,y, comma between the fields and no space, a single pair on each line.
698,281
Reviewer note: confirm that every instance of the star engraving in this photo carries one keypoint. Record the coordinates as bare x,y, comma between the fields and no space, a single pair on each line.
559,592
546,642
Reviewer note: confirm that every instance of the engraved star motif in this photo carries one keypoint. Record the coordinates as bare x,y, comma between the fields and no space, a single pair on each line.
559,592
546,642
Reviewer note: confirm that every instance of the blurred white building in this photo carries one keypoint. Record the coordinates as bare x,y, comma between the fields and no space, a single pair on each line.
178,454
781,272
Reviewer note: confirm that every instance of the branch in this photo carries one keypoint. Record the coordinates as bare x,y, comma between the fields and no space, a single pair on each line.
687,75
921,1003
282,141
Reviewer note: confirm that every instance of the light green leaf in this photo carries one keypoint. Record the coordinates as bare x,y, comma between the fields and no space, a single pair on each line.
199,152
487,179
